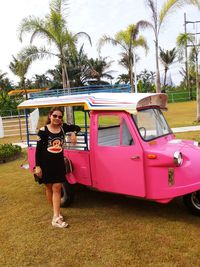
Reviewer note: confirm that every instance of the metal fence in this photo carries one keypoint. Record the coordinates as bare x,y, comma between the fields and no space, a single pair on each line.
181,96
12,113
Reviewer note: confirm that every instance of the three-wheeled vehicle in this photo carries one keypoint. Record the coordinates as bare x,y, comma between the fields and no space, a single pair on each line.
126,147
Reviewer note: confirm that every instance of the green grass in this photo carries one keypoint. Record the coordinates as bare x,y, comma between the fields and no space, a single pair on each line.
181,114
105,229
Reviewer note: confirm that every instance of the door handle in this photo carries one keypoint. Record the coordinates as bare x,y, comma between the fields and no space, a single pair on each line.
135,157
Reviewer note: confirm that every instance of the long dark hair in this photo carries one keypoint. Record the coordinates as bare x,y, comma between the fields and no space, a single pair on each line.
51,111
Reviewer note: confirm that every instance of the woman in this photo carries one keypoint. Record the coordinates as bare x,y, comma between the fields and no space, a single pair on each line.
50,159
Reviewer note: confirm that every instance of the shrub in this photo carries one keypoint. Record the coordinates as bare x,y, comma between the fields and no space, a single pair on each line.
9,151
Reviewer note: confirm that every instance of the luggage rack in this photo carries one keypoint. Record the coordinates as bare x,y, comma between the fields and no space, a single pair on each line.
89,89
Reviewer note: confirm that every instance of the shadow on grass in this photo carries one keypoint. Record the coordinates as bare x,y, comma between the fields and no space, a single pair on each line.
90,199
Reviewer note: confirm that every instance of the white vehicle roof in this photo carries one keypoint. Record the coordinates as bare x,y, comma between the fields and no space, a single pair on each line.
129,102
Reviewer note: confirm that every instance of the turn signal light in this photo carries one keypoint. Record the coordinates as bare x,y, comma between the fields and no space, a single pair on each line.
152,156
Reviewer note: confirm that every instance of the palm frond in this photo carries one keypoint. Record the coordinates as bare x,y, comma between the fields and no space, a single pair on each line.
141,24
193,2
153,8
84,34
171,6
105,39
35,26
32,53
141,42
59,6
183,39
168,7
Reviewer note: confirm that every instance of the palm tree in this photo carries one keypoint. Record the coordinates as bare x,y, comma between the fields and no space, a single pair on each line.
167,58
97,70
182,41
5,84
20,68
158,18
77,66
147,81
123,78
41,81
53,29
127,40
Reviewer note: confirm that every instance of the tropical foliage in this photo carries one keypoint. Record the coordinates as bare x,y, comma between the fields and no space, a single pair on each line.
128,40
20,67
146,81
53,29
182,41
158,18
167,58
5,84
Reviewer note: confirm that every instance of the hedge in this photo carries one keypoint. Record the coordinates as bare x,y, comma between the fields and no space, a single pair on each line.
9,152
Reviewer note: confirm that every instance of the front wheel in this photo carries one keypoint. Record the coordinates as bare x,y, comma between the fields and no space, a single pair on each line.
67,194
192,202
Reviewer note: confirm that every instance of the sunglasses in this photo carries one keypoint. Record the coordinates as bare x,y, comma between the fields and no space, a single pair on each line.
57,116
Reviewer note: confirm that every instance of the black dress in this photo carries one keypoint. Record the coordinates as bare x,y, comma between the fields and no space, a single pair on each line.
49,153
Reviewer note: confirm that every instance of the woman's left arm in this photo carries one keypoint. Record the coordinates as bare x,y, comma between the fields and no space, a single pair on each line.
71,128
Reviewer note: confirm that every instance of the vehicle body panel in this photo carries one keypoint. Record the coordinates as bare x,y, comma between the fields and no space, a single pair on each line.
117,169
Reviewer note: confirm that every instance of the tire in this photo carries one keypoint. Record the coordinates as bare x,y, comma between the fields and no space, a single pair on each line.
192,202
67,194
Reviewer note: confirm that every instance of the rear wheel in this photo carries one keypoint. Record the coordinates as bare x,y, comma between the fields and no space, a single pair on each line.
67,194
192,202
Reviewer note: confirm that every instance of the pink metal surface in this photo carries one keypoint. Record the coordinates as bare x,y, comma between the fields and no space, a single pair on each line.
81,163
129,170
117,169
186,176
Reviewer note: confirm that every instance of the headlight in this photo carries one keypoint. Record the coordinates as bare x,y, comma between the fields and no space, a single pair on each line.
178,158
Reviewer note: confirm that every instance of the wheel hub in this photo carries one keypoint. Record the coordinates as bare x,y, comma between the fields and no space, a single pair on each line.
195,198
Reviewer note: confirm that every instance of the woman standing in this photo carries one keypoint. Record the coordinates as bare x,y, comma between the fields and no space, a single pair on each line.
50,159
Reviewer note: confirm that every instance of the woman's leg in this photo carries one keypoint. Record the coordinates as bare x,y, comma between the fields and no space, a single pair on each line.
56,198
49,193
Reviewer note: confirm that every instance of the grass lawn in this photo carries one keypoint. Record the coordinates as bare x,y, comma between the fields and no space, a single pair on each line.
106,230
181,114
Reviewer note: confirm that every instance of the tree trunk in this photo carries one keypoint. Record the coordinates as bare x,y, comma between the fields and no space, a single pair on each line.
131,74
24,87
66,85
197,90
165,77
158,85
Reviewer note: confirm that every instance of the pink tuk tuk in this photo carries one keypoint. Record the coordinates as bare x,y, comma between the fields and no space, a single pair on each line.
126,147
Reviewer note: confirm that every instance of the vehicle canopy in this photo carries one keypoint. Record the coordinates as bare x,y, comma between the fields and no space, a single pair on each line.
129,102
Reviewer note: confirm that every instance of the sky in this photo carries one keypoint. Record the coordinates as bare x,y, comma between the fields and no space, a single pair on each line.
96,17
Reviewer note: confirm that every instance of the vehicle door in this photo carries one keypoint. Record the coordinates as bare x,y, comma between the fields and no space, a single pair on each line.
116,154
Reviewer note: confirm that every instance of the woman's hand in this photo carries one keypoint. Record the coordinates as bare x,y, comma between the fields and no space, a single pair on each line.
73,138
38,171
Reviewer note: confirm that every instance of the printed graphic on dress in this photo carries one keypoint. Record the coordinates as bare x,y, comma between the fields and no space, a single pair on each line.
55,145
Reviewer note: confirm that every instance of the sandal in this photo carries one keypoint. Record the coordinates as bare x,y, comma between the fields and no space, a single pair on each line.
61,217
57,222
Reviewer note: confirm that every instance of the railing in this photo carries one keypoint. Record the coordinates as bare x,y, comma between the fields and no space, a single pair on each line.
180,96
82,141
12,113
117,88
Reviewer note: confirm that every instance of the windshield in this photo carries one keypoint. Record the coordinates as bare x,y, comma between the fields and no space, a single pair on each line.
151,123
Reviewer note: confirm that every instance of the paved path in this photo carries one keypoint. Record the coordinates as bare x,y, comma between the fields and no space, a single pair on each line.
186,129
